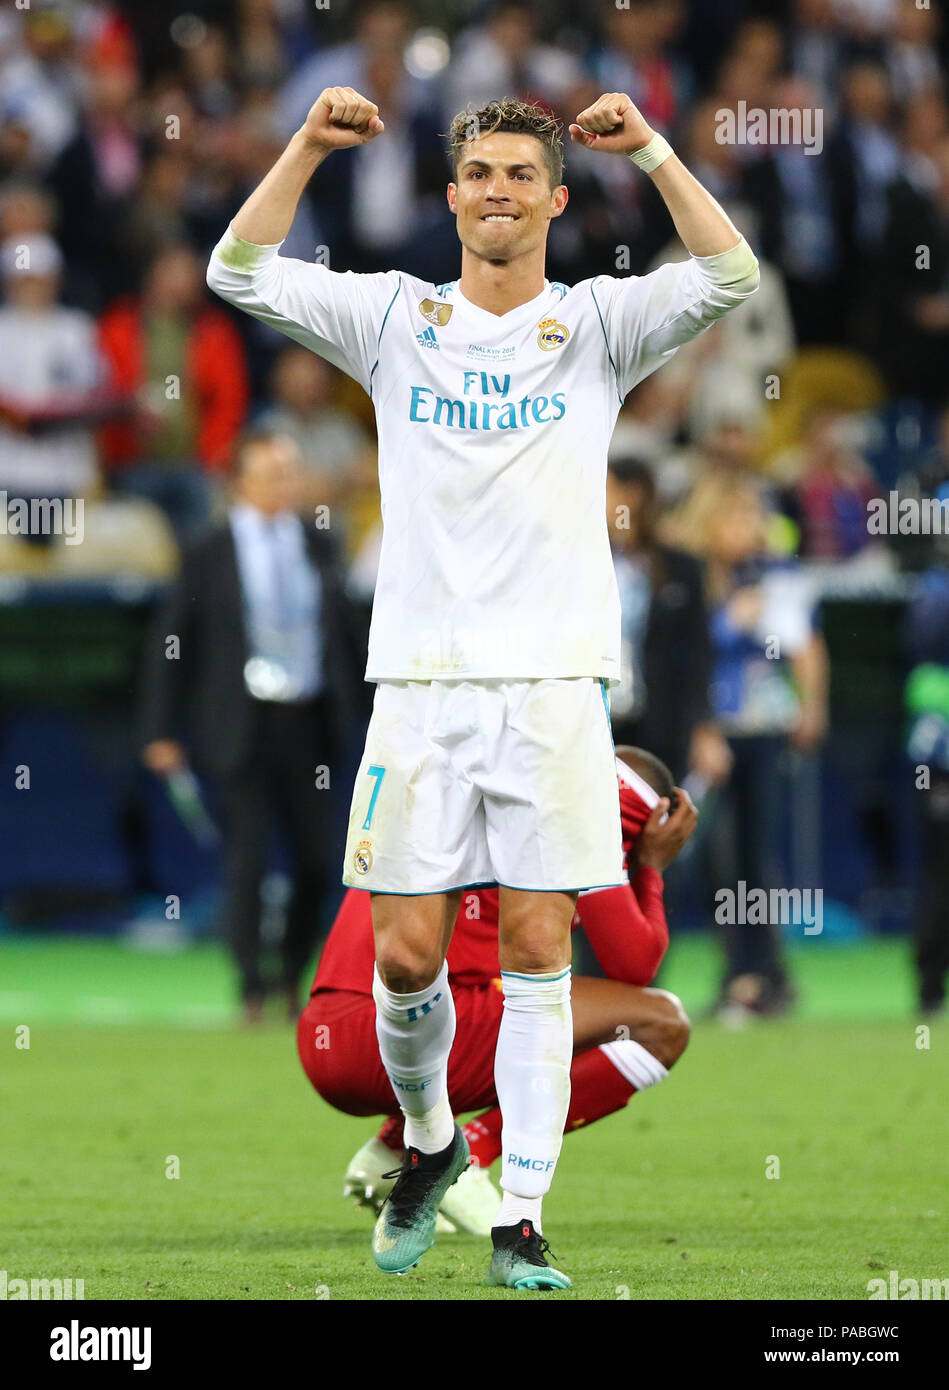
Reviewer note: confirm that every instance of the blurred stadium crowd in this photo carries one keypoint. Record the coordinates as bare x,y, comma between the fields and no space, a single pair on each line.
740,474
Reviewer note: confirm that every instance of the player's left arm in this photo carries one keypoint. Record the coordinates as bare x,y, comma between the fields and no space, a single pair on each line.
648,317
614,125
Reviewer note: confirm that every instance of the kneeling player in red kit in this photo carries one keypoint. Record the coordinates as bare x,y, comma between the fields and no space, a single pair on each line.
626,1037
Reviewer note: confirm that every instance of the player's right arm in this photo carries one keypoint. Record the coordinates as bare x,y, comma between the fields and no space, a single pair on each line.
339,119
336,315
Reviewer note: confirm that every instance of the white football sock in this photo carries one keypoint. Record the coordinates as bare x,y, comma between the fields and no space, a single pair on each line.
532,1079
415,1033
514,1209
631,1060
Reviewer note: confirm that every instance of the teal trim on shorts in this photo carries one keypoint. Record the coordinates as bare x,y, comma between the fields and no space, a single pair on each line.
427,893
492,883
606,706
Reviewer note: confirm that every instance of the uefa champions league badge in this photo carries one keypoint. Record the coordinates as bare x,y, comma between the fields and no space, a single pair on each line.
362,859
438,314
552,334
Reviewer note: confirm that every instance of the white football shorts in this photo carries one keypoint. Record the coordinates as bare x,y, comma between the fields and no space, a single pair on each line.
486,781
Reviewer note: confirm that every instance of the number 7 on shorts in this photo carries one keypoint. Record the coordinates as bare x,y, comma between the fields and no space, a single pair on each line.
378,773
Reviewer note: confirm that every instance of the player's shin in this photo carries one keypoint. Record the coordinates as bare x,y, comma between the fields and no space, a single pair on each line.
532,1078
415,1033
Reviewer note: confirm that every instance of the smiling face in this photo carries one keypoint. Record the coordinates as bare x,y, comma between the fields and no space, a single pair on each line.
503,200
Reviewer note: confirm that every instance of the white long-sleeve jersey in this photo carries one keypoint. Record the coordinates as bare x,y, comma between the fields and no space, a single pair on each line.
493,436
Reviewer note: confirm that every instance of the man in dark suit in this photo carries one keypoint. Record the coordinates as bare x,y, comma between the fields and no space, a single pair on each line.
662,703
253,662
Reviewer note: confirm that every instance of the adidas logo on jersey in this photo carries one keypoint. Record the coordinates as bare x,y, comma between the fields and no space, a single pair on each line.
428,339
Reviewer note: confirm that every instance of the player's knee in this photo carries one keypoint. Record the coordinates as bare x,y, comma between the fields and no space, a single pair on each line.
405,969
671,1030
533,947
534,955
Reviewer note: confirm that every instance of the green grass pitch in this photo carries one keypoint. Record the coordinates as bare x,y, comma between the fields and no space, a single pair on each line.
668,1199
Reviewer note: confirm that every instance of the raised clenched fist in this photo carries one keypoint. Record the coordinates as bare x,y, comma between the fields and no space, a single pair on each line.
612,124
340,119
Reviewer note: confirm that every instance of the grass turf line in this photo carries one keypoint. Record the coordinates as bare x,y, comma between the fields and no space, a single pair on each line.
667,1199
69,980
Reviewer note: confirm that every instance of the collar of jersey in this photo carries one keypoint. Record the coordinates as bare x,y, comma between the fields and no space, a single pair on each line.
511,313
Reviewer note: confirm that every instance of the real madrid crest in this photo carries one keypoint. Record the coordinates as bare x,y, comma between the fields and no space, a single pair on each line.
438,314
552,334
362,859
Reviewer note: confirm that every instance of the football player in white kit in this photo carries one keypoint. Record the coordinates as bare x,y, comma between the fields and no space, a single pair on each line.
495,628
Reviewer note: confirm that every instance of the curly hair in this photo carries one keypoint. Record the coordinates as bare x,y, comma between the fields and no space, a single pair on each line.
514,117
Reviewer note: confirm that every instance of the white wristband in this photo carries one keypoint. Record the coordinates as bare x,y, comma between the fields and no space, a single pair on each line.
652,155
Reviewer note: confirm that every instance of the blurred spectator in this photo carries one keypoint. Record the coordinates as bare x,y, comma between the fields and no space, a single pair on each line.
912,52
662,702
370,208
725,420
39,84
207,67
802,212
15,150
867,151
50,373
260,691
927,703
158,216
733,358
915,289
864,158
768,693
817,49
330,441
182,361
747,73
26,209
503,56
261,42
715,163
650,419
382,28
831,486
759,43
92,179
636,59
926,483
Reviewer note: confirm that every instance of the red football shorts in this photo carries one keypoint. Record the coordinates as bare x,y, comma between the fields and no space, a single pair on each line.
336,1039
